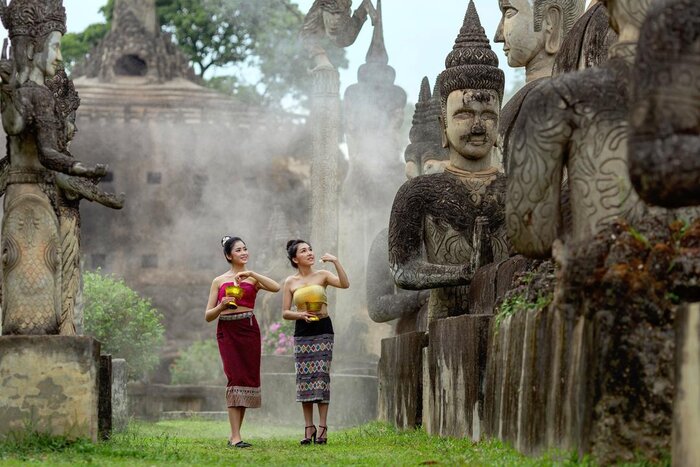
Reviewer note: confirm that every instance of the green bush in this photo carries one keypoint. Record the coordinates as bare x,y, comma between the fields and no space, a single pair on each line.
199,363
125,323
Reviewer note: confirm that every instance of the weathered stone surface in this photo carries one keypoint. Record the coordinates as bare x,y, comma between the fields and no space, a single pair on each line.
686,404
401,379
456,364
120,402
50,384
104,410
665,136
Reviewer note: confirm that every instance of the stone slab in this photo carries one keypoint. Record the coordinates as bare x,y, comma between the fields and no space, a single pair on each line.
686,404
401,379
120,403
50,385
104,410
457,354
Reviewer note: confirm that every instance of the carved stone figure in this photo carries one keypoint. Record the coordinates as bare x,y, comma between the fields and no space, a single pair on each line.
37,150
665,138
70,191
532,32
455,217
577,122
424,155
332,19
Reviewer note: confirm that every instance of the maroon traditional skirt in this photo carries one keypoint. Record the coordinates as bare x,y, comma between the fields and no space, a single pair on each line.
240,349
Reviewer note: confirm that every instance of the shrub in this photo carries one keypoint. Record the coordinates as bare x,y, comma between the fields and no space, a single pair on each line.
199,363
125,323
278,338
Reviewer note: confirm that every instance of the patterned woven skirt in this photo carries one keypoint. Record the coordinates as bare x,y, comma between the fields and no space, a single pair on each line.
240,349
313,356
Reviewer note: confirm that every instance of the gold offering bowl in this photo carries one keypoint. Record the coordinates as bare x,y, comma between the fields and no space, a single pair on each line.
314,307
233,291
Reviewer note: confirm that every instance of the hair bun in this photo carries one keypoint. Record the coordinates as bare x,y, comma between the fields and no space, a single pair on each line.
290,243
225,239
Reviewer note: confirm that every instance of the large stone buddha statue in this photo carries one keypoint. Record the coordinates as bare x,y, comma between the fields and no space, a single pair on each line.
445,226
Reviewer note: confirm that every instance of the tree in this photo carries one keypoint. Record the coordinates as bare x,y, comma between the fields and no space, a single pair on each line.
126,324
254,45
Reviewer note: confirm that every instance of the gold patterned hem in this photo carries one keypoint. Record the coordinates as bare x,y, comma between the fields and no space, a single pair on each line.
241,396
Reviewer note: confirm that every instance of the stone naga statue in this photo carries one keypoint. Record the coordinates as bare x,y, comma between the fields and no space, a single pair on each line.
665,118
578,122
456,217
532,33
424,155
37,158
332,19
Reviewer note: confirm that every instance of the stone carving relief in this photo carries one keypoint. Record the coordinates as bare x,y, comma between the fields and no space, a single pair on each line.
578,122
456,217
665,138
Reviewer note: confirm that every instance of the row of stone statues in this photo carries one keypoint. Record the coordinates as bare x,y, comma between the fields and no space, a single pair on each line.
564,142
41,180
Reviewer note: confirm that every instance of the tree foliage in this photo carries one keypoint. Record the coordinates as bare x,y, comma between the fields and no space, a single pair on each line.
125,323
200,364
246,48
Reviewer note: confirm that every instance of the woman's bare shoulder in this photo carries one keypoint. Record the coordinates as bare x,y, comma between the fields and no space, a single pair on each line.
218,280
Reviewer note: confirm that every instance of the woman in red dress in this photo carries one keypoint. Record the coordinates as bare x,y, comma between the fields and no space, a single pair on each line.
232,300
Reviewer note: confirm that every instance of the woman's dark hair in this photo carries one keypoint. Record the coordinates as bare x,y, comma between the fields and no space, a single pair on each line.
292,247
227,242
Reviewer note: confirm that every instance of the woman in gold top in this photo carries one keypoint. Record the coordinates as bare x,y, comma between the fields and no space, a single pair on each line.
313,332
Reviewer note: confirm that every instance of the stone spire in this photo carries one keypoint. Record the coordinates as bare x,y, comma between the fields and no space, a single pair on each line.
135,47
471,64
376,68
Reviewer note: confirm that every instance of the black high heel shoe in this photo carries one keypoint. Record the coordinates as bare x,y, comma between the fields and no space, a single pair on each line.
323,437
310,439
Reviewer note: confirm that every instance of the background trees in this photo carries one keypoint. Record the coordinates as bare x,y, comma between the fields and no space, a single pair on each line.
245,48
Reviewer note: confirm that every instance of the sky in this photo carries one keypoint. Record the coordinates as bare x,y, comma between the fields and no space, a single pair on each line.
418,35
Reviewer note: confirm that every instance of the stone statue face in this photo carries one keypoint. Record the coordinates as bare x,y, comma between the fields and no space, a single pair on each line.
471,125
521,43
333,24
49,59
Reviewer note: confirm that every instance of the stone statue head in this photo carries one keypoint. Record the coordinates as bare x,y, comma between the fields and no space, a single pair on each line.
425,154
332,13
627,16
664,148
471,90
67,102
533,28
35,28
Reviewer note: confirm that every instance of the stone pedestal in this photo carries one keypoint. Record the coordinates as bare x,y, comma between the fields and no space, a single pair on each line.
686,404
401,380
120,403
456,365
49,385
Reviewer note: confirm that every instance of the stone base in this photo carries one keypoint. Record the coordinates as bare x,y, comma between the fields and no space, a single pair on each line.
455,366
120,405
401,379
686,405
49,385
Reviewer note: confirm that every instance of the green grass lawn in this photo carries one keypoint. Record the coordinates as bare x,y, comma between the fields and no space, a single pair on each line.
193,442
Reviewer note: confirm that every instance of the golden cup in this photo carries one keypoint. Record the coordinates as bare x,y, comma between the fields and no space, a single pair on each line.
233,291
314,307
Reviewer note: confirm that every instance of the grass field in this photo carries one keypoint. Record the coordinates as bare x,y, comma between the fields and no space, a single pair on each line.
195,442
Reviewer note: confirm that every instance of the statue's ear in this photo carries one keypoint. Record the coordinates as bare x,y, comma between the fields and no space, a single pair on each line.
30,51
443,133
553,24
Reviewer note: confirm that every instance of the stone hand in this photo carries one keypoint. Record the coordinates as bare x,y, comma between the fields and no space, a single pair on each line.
371,11
99,170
